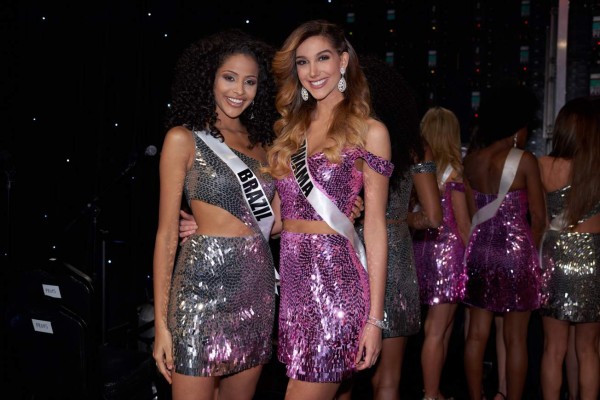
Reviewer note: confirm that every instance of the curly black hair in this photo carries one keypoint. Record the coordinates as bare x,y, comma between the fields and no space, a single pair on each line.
192,102
504,109
395,105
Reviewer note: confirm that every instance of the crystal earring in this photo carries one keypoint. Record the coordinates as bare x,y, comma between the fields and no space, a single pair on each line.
342,82
252,110
515,140
304,93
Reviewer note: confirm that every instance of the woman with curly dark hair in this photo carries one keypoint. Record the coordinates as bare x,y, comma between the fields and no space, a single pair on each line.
214,298
505,198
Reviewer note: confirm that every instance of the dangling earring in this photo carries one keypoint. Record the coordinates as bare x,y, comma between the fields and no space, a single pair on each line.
252,110
515,140
304,93
342,83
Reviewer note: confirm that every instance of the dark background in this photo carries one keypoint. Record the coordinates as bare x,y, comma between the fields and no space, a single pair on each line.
84,86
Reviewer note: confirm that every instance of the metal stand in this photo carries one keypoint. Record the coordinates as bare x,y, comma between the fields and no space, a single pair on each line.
98,256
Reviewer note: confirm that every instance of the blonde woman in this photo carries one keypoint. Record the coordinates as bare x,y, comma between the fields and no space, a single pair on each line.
439,252
328,148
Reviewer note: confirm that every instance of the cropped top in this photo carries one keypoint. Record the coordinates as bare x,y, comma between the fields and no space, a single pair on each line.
212,181
341,182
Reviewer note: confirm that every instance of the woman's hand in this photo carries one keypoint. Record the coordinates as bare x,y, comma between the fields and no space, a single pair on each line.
369,347
357,209
163,352
187,225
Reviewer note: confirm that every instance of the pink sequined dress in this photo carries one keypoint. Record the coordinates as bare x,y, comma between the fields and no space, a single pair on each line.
325,294
503,266
439,256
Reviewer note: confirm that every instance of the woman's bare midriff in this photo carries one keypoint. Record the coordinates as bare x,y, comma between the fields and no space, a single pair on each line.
215,221
304,226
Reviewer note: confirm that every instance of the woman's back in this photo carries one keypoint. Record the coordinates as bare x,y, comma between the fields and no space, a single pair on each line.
483,169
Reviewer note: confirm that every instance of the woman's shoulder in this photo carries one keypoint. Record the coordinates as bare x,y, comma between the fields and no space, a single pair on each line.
455,176
179,133
179,138
529,160
377,140
376,129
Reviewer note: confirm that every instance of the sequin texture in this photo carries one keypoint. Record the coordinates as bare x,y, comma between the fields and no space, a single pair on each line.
439,256
324,288
402,310
570,261
503,271
222,300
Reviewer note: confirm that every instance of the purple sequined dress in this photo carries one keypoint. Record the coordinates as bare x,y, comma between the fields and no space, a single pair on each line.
502,262
439,256
325,295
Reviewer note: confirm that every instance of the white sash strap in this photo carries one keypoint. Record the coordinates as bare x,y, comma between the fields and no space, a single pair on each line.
446,175
559,222
326,208
253,192
508,175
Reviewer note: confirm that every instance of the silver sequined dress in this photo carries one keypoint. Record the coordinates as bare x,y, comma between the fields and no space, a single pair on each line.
222,302
570,261
402,309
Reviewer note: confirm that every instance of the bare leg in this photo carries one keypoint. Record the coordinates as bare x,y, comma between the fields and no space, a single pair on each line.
572,366
586,346
466,322
556,335
386,380
299,390
479,331
186,387
241,385
500,357
344,392
433,354
515,336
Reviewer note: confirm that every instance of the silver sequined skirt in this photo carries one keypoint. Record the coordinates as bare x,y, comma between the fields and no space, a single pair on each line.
571,281
222,305
402,306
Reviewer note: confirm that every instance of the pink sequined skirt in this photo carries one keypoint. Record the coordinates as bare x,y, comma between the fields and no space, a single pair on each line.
503,268
323,306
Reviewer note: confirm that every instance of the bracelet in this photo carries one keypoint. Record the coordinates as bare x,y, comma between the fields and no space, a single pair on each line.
377,322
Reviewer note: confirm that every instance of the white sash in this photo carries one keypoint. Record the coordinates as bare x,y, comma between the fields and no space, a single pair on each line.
326,208
511,164
253,192
446,175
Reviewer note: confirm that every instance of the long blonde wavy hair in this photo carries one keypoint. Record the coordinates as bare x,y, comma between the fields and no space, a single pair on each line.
441,129
350,117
